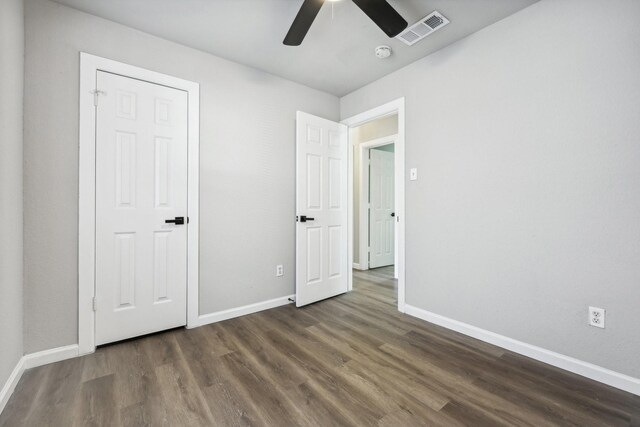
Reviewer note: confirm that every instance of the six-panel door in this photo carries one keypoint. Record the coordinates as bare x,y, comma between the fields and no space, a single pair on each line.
321,196
141,181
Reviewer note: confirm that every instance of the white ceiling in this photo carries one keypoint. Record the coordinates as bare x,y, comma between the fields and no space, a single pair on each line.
337,56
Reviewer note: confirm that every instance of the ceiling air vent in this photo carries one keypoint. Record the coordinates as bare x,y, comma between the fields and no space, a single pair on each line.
421,29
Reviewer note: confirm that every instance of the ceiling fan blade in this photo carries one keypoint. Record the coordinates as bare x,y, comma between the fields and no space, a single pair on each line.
307,13
384,15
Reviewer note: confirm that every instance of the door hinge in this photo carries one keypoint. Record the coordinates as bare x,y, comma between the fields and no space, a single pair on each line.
95,304
96,93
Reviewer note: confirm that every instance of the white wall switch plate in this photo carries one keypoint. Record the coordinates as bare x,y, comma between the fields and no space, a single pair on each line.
279,270
413,174
596,317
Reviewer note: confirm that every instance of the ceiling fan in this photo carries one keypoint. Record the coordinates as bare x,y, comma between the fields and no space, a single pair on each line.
379,11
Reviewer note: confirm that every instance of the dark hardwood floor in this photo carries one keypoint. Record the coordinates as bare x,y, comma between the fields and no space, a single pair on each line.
350,360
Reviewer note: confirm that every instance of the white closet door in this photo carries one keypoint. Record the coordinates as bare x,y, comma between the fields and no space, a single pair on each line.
141,182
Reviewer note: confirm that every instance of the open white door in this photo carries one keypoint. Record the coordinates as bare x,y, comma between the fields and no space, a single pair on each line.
381,212
322,212
141,205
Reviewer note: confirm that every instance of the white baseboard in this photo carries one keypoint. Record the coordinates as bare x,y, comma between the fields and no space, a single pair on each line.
11,383
585,369
219,316
53,355
356,266
31,361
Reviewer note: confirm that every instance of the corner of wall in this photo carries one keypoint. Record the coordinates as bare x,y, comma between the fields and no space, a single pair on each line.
11,193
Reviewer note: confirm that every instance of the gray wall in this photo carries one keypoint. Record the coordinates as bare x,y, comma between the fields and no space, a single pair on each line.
526,136
11,92
372,130
247,166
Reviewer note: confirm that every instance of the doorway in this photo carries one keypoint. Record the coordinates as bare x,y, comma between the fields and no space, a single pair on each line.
138,204
377,167
325,153
374,194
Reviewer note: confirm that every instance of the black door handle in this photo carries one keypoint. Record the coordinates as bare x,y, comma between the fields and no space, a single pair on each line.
304,218
393,214
179,220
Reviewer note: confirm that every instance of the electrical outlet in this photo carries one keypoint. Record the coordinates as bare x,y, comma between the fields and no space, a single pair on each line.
279,270
596,317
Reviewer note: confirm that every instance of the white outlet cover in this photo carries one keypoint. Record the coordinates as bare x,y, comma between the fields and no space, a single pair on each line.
596,317
279,270
413,174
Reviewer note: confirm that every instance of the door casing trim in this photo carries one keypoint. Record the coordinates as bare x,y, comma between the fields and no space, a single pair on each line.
89,66
394,107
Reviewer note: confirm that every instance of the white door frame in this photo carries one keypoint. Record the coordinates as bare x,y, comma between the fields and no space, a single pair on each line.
363,213
388,109
89,67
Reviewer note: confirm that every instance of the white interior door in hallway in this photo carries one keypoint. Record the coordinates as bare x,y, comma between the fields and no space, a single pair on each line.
322,209
382,222
141,183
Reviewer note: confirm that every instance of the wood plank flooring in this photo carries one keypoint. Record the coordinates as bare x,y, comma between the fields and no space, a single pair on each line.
349,361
